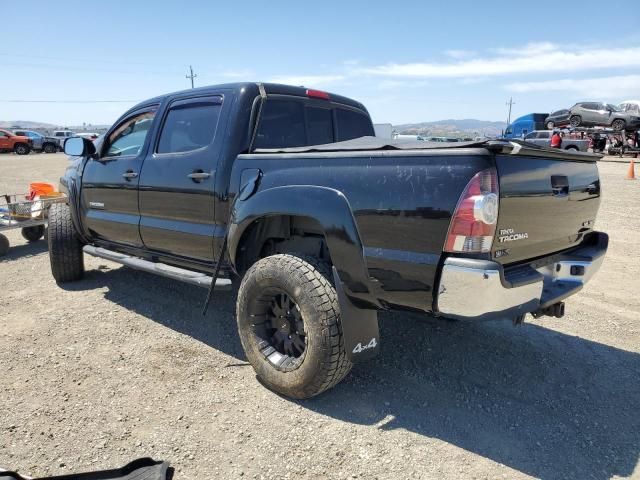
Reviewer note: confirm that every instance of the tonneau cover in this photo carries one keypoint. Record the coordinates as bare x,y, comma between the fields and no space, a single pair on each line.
372,143
513,147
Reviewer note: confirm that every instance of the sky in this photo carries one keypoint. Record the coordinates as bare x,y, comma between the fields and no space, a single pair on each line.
408,61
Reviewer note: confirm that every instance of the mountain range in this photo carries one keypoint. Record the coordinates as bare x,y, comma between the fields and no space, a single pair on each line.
451,127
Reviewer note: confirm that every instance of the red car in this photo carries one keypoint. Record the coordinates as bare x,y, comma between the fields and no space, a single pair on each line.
14,143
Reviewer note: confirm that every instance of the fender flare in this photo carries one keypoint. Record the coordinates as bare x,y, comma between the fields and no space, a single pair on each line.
331,209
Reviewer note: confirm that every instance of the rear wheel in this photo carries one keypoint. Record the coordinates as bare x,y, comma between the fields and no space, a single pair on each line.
572,148
550,125
4,245
289,325
21,149
33,234
65,247
575,120
50,148
618,124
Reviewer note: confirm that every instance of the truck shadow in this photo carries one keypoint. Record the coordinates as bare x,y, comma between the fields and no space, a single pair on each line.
544,403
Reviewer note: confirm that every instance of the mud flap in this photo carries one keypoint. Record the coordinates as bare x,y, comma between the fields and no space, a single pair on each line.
141,469
359,326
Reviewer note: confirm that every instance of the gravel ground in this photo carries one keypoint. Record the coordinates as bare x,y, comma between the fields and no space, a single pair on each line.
122,365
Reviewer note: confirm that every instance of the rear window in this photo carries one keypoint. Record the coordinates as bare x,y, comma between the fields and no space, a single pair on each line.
297,123
352,124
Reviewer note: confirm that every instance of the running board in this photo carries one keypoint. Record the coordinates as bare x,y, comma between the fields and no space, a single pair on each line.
162,269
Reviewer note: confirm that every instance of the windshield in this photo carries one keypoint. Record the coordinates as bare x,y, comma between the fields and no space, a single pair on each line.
613,108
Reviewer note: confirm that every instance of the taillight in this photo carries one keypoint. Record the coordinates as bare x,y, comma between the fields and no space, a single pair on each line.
317,94
473,224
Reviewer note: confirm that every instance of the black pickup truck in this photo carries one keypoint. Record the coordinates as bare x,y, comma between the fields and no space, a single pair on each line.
286,190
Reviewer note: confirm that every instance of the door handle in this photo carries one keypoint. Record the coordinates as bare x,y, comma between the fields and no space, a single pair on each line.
199,175
129,174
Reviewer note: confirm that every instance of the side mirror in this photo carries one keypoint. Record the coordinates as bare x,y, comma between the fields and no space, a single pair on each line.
79,147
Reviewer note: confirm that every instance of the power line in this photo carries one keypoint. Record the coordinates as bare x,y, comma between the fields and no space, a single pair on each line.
192,75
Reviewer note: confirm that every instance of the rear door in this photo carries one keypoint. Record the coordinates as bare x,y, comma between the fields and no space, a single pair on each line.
547,204
5,142
110,182
177,179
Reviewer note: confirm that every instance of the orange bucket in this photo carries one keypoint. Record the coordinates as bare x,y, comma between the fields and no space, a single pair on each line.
40,188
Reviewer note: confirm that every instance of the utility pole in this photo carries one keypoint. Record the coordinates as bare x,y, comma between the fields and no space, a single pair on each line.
510,103
191,75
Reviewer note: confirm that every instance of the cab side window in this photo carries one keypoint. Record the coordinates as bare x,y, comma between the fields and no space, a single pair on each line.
189,126
129,137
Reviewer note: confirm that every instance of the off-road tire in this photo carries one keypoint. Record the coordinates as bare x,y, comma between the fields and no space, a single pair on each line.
65,247
33,234
575,120
21,149
50,148
307,281
618,124
4,245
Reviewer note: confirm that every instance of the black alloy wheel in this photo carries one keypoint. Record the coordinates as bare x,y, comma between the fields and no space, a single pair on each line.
282,330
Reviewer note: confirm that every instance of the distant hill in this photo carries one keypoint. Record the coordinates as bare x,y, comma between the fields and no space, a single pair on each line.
465,127
25,124
50,127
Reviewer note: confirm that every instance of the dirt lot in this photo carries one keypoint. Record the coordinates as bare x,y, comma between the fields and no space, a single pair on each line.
122,365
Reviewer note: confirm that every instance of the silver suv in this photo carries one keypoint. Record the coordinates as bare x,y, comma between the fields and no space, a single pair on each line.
591,114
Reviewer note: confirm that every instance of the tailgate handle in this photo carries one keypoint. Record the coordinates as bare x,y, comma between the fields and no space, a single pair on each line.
560,185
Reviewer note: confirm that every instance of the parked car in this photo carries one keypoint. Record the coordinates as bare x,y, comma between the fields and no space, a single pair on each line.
61,136
322,224
630,106
40,143
559,118
592,114
543,138
10,142
525,124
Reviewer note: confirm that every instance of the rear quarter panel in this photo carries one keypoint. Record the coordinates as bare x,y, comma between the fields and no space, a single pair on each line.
402,203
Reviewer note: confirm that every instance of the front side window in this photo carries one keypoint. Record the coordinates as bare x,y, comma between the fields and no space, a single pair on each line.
129,137
189,127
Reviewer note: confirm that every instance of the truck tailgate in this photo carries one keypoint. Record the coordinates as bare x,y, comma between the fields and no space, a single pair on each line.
548,202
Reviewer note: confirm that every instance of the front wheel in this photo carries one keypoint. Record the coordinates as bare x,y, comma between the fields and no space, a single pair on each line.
289,325
65,247
550,125
575,120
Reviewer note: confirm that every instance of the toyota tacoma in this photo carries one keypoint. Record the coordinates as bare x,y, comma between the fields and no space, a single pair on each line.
285,190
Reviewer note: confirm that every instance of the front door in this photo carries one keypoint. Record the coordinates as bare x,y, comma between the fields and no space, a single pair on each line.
177,180
110,182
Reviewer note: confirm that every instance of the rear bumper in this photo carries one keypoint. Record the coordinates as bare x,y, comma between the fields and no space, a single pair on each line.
483,289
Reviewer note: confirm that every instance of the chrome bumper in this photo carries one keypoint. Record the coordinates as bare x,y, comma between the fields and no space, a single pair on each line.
482,289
